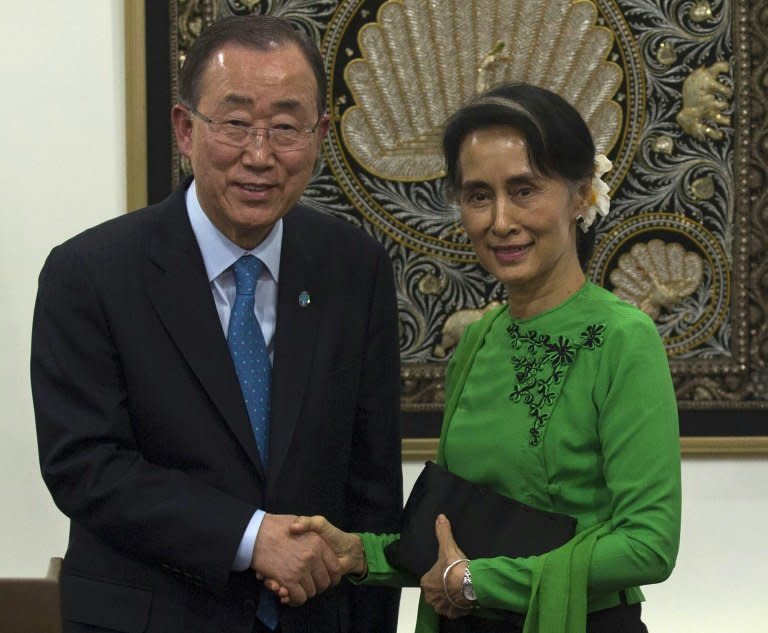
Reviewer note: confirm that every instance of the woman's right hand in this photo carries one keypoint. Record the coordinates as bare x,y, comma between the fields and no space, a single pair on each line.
347,546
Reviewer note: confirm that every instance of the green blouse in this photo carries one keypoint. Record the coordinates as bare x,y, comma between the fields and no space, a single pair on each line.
572,411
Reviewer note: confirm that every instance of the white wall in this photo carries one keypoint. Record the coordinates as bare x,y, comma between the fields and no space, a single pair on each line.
62,169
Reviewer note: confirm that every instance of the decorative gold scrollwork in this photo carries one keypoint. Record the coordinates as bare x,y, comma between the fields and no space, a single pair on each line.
249,4
191,21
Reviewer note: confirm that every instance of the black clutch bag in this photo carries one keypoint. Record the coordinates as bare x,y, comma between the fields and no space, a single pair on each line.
484,523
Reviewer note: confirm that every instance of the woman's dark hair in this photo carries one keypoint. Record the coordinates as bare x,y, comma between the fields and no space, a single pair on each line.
558,140
260,32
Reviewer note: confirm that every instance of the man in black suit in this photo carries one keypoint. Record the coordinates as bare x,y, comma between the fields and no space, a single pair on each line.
145,437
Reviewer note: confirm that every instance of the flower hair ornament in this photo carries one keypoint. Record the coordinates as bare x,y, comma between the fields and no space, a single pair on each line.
600,201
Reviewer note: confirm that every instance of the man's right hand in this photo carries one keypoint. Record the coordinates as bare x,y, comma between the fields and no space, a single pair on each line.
300,562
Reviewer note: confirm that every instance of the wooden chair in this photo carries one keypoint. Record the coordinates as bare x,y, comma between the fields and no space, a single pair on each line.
31,605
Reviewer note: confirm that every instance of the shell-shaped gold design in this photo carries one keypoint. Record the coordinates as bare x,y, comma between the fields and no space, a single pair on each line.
656,274
420,62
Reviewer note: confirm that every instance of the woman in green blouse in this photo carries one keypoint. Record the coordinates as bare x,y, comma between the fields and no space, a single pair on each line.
561,399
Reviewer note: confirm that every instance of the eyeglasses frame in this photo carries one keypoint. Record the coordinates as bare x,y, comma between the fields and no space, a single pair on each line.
252,130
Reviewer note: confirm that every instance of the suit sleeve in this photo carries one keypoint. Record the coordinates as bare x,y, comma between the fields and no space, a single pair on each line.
375,479
90,457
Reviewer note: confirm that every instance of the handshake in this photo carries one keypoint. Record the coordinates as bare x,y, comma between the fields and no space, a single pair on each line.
299,557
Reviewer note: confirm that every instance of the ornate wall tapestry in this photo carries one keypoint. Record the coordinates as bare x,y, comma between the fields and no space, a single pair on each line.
674,92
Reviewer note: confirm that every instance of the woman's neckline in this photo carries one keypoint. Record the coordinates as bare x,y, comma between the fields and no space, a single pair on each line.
549,310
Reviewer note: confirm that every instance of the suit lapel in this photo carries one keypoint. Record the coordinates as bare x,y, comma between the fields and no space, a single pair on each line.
179,290
300,271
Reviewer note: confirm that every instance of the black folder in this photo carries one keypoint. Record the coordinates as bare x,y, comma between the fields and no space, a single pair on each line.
485,523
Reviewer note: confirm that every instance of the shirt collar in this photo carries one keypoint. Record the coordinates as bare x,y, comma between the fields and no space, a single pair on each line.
219,252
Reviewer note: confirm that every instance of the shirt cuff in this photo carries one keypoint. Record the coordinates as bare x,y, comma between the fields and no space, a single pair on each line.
244,554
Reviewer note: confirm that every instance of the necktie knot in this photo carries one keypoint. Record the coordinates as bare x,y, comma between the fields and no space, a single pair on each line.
247,271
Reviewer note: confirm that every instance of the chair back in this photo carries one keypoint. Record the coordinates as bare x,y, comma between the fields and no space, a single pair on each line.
31,605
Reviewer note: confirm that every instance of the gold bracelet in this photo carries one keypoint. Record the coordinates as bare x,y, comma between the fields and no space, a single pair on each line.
445,577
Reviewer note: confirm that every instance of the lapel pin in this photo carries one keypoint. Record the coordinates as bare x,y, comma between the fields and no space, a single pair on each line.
304,299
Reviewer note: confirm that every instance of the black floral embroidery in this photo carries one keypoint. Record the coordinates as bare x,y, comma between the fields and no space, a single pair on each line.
522,392
560,353
540,365
592,337
547,397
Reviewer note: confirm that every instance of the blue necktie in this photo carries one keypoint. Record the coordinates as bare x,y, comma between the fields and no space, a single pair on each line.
249,351
251,359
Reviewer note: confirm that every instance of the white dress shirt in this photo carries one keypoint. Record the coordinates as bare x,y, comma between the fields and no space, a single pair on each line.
219,253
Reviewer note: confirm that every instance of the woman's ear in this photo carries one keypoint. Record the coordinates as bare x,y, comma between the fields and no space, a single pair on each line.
582,197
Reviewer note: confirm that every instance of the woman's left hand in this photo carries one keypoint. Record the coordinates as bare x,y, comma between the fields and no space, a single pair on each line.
432,582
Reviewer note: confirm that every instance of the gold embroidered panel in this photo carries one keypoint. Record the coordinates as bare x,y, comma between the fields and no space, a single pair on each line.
674,92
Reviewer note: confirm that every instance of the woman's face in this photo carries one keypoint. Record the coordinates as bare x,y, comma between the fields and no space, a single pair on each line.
521,225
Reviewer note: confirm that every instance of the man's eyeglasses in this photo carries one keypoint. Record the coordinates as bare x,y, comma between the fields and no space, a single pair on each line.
280,139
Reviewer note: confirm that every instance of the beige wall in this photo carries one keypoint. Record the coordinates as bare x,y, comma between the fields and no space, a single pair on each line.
62,169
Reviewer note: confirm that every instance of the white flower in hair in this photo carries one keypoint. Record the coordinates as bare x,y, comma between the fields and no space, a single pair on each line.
600,201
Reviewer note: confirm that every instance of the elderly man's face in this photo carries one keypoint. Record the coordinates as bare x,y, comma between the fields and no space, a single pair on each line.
245,190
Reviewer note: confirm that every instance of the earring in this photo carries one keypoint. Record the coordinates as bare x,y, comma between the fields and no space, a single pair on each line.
580,219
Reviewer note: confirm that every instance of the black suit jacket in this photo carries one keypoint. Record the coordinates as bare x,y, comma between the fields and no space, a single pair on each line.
144,438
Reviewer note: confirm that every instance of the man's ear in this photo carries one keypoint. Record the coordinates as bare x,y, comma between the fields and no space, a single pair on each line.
182,128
